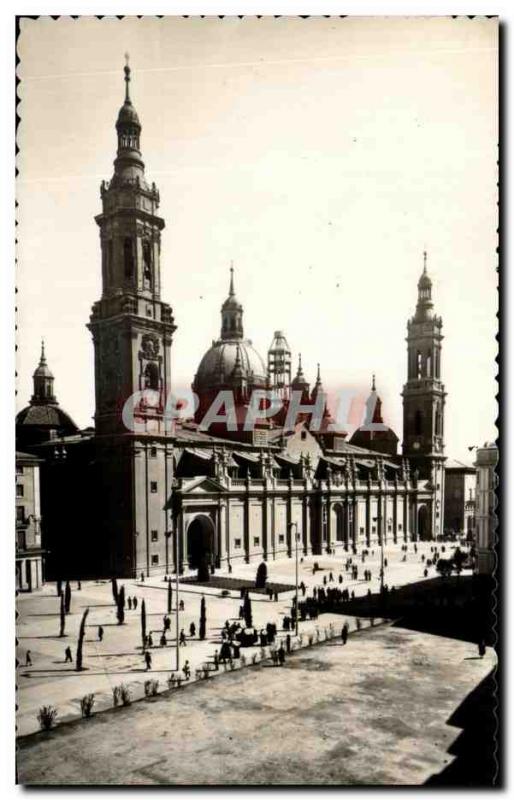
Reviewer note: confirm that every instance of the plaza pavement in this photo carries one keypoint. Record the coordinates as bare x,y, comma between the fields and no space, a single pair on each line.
378,711
118,658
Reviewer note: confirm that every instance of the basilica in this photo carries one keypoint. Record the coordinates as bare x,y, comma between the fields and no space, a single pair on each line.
158,496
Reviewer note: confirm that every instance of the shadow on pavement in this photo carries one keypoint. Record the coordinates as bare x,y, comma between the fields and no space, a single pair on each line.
475,764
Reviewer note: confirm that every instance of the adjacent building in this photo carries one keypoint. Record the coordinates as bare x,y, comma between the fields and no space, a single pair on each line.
29,552
486,518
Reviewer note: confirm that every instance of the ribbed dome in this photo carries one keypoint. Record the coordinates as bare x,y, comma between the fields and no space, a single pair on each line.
424,282
217,367
46,416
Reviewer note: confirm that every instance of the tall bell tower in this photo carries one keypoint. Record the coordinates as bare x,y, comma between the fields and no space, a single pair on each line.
424,397
132,331
132,328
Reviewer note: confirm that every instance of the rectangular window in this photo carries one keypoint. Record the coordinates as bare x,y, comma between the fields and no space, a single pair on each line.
374,529
155,559
19,490
155,536
400,526
20,514
256,541
19,469
153,452
153,486
361,530
237,542
281,539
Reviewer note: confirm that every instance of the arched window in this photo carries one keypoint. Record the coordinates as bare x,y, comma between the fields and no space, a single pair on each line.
429,364
128,257
438,421
418,423
151,376
147,264
419,365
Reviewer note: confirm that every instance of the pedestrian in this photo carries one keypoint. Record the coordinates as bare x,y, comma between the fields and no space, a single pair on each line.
28,659
79,586
182,638
216,661
425,573
130,604
181,605
67,656
288,643
150,640
134,603
353,595
162,640
230,569
274,656
340,578
330,577
344,633
186,670
481,648
324,580
100,633
281,655
148,660
385,562
142,577
241,612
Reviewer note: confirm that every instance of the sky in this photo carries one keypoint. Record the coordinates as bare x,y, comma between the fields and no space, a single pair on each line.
321,156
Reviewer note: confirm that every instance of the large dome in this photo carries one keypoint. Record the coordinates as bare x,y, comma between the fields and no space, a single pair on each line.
227,360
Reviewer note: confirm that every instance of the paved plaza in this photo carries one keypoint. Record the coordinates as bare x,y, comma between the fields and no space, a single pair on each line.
118,658
376,711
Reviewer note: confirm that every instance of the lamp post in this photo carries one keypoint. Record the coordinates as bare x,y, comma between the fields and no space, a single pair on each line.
295,526
177,555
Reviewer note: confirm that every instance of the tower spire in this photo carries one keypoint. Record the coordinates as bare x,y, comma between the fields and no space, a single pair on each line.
424,261
231,292
42,359
373,387
126,70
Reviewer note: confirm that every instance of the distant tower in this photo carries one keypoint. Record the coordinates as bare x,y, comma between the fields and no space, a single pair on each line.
424,395
279,365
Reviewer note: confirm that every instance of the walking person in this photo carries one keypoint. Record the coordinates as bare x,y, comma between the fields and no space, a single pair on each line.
150,640
148,660
100,633
182,638
28,659
129,603
344,633
281,655
186,670
181,605
67,656
162,640
134,603
288,643
192,630
142,577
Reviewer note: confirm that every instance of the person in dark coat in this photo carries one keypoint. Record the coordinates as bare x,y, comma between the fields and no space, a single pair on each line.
142,577
134,603
149,640
186,670
129,603
28,659
281,655
288,643
100,633
182,638
162,640
68,658
481,648
344,633
192,630
181,605
148,660
225,652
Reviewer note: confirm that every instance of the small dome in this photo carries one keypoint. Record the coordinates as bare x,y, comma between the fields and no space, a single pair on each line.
218,364
42,371
127,115
424,282
46,416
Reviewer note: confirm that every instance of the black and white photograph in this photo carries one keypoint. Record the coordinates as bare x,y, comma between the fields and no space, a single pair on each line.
256,524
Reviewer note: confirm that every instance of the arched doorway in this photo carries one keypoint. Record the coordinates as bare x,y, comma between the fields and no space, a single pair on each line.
201,543
423,523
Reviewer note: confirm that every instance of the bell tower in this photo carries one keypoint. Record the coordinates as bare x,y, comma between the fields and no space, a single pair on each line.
132,328
132,331
424,396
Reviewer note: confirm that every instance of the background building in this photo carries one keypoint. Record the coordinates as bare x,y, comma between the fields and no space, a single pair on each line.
29,553
459,499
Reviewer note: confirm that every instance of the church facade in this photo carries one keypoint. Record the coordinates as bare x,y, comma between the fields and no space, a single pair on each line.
212,492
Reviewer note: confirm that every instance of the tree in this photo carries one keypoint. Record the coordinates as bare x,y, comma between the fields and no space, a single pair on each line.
67,597
143,623
82,631
262,576
63,617
203,621
169,595
247,610
115,590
